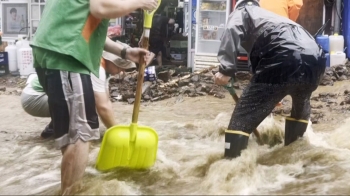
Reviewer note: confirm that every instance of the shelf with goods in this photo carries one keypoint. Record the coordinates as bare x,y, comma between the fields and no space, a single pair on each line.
133,28
211,19
36,10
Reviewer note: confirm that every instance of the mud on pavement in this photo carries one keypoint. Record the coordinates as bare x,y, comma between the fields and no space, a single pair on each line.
168,84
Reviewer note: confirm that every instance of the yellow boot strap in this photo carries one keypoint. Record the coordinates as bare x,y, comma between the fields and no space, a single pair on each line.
237,132
300,120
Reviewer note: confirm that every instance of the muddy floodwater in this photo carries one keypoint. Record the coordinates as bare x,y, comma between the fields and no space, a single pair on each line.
190,155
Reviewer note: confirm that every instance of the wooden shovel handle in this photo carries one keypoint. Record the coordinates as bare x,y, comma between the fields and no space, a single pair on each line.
140,77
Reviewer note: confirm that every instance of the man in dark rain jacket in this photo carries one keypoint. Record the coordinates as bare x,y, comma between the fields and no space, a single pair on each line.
285,60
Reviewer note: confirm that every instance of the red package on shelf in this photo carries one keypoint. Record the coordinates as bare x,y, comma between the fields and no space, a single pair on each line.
114,31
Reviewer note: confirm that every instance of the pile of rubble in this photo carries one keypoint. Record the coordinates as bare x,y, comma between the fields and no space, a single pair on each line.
169,83
173,82
336,73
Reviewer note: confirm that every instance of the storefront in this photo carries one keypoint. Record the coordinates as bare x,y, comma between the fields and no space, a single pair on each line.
210,20
194,43
176,37
21,18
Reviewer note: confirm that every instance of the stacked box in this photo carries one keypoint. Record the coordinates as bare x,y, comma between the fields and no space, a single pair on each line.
4,63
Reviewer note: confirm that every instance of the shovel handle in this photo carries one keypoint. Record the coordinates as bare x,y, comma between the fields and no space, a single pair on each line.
140,77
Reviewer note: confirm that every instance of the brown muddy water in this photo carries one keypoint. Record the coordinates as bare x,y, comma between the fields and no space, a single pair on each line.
190,156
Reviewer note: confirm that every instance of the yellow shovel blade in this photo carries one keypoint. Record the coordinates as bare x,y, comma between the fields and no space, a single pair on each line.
117,149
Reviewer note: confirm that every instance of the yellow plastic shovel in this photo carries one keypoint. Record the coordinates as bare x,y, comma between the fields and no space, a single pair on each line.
132,146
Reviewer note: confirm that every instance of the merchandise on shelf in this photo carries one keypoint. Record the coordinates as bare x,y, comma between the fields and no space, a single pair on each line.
213,5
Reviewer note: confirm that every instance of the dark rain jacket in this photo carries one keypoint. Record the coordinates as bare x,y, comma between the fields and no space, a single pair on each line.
279,50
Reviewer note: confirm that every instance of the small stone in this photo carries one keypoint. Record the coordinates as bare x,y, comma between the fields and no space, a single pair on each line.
127,95
202,93
3,89
192,95
315,98
219,95
155,99
115,94
195,78
199,89
334,95
342,78
147,97
131,100
315,112
185,90
322,95
114,88
165,76
184,82
330,101
146,86
316,106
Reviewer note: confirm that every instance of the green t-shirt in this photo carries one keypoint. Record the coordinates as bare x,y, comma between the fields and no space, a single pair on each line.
68,28
36,85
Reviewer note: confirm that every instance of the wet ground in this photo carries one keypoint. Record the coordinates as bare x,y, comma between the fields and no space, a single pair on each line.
191,144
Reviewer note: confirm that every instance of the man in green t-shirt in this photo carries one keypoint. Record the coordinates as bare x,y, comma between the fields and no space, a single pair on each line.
35,101
67,47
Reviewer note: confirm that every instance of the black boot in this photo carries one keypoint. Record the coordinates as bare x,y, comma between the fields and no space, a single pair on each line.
294,129
235,143
48,132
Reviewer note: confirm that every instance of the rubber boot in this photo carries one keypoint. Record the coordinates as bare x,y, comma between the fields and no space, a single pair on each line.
293,130
234,144
48,132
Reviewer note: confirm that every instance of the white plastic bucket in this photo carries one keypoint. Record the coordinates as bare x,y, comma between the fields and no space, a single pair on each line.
26,59
12,57
337,58
336,43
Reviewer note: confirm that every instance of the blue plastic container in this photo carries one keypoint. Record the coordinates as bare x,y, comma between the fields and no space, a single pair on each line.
323,40
4,63
328,62
4,58
150,74
346,26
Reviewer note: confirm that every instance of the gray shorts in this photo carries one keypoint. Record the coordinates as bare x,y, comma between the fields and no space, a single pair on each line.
35,105
72,106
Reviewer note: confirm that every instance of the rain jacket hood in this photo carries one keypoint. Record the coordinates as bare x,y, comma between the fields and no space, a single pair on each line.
272,42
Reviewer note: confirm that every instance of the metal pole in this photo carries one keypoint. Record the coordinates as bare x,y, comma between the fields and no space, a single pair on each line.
337,16
189,35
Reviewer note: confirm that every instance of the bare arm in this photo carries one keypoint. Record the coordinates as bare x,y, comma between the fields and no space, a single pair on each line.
105,109
113,47
118,8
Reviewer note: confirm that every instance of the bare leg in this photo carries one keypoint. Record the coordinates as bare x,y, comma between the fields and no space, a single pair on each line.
74,162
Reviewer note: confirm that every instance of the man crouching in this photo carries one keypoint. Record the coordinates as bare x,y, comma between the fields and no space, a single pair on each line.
284,59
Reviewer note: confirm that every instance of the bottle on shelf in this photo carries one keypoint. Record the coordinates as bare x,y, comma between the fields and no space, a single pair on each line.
22,22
